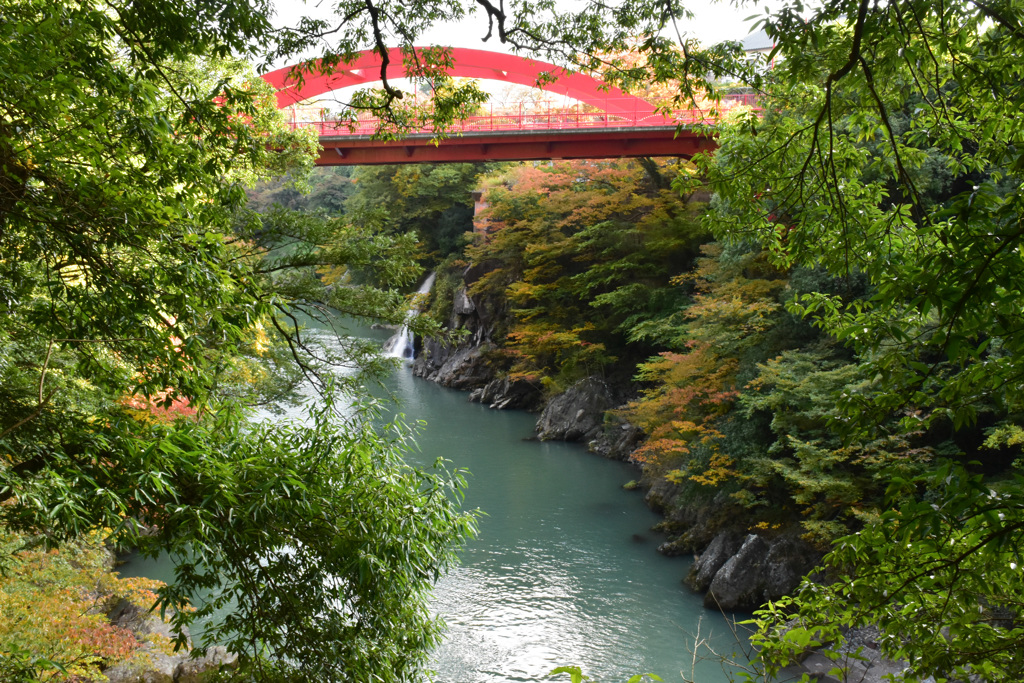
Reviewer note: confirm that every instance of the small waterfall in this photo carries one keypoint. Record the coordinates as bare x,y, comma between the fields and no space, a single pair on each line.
401,344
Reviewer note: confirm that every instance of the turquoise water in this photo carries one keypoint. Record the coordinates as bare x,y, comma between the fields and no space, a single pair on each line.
564,571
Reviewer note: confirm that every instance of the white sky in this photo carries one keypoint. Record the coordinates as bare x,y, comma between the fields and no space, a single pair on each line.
713,22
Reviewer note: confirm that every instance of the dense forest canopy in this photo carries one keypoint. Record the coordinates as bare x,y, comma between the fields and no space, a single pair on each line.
849,349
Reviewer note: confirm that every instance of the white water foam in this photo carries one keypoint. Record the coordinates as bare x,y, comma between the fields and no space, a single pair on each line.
402,344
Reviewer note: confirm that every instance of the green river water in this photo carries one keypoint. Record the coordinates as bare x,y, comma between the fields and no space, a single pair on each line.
564,571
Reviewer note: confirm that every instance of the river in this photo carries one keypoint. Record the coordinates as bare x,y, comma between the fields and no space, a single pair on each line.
564,570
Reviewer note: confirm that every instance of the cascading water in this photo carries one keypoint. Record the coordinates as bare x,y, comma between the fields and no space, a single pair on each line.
401,344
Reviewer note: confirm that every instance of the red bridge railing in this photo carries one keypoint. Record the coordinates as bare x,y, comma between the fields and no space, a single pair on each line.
539,118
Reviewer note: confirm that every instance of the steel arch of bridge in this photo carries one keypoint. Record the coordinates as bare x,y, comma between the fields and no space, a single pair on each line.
631,127
467,63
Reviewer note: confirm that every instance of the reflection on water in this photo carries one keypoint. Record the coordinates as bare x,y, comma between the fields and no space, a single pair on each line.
564,570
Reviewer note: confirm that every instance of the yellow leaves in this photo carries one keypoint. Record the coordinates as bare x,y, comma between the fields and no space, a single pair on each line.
1005,435
334,275
719,469
676,476
260,340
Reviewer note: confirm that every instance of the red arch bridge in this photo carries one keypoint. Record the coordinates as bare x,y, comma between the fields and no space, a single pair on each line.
624,126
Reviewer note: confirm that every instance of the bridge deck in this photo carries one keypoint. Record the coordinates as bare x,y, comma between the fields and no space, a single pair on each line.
534,134
508,145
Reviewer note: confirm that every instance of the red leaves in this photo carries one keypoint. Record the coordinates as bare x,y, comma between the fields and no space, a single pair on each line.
161,407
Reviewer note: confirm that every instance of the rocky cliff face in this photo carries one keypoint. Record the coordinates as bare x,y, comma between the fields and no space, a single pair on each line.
463,364
505,394
736,570
578,414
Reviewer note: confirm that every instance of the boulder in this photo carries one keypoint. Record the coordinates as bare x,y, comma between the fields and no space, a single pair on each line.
507,394
706,565
788,561
761,569
737,584
578,414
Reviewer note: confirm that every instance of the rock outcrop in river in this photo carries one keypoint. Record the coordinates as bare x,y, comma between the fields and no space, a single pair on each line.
742,572
155,661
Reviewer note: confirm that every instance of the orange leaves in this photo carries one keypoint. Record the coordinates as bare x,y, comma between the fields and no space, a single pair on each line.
576,194
54,605
539,347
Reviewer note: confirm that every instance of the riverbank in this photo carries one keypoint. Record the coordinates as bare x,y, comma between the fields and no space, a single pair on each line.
66,606
738,565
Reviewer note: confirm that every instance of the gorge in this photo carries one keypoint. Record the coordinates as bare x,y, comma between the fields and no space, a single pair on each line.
564,570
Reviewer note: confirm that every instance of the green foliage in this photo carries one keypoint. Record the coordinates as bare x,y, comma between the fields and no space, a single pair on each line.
431,201
888,153
832,481
326,189
344,539
939,574
901,180
143,311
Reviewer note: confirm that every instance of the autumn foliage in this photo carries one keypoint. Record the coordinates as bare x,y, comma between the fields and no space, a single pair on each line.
583,251
54,605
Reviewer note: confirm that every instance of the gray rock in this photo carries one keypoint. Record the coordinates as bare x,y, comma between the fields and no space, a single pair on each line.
858,661
673,548
578,414
124,673
126,615
199,669
151,663
737,585
463,303
822,669
461,368
141,621
692,513
618,439
507,394
761,570
788,561
707,564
